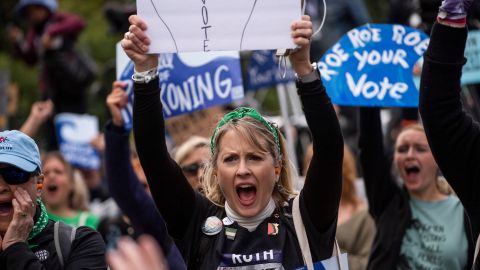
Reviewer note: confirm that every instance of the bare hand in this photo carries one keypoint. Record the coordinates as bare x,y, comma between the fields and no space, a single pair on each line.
145,255
41,110
135,43
98,143
116,101
47,41
22,221
301,34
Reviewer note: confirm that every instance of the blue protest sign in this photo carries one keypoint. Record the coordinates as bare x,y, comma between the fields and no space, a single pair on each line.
372,65
471,69
74,134
263,71
190,82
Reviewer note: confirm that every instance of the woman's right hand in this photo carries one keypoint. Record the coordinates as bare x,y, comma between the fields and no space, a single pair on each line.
136,44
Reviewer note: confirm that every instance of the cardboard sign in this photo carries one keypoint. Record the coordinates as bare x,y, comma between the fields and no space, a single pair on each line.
189,82
74,134
263,71
372,65
218,25
201,123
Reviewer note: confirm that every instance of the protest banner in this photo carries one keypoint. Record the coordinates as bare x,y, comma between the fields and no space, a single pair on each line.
189,82
218,25
471,69
372,65
263,71
74,134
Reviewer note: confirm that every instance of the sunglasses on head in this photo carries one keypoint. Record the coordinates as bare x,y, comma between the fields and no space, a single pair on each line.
15,176
192,169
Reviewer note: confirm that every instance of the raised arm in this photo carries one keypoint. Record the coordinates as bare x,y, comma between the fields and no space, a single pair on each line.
123,183
170,188
323,185
454,136
379,182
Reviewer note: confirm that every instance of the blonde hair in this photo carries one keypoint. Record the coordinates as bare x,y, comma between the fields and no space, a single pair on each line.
79,196
188,146
441,183
253,131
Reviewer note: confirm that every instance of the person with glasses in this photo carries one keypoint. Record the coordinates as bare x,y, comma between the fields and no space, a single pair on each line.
192,156
26,232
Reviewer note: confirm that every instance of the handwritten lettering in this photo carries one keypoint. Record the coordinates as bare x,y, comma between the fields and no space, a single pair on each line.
370,90
373,58
205,27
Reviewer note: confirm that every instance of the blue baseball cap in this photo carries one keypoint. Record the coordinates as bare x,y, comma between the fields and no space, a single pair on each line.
51,5
19,150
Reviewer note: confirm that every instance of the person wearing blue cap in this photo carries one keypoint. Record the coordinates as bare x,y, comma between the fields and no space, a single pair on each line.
28,239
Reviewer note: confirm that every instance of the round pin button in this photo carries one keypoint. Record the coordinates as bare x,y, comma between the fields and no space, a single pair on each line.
212,225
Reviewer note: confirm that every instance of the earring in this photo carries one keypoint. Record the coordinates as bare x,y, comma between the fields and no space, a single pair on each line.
40,186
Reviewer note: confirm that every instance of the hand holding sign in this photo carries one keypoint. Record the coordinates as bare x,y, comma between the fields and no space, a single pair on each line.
136,45
301,33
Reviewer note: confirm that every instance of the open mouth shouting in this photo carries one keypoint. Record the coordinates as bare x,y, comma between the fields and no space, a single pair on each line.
411,173
247,194
52,188
6,208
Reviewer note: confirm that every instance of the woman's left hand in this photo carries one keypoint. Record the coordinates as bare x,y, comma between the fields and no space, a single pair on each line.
22,221
301,34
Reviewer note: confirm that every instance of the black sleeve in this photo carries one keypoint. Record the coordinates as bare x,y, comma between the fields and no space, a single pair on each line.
452,134
87,253
174,197
126,189
379,182
323,183
19,256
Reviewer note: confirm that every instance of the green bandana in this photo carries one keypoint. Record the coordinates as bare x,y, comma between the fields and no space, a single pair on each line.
41,222
241,113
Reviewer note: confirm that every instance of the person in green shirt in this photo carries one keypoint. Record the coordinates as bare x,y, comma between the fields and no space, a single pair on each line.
65,197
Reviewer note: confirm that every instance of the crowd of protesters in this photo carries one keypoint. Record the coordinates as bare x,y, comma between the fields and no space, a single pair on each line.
402,200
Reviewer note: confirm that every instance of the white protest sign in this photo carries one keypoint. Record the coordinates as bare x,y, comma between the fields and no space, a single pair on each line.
218,25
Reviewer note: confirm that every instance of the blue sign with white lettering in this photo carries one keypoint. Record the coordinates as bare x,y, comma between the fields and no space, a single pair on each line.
191,82
74,134
263,71
372,65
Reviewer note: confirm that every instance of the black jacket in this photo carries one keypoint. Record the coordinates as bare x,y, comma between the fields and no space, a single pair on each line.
452,134
183,209
87,252
388,202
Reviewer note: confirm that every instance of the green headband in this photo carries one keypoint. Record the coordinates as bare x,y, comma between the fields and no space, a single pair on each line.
241,113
